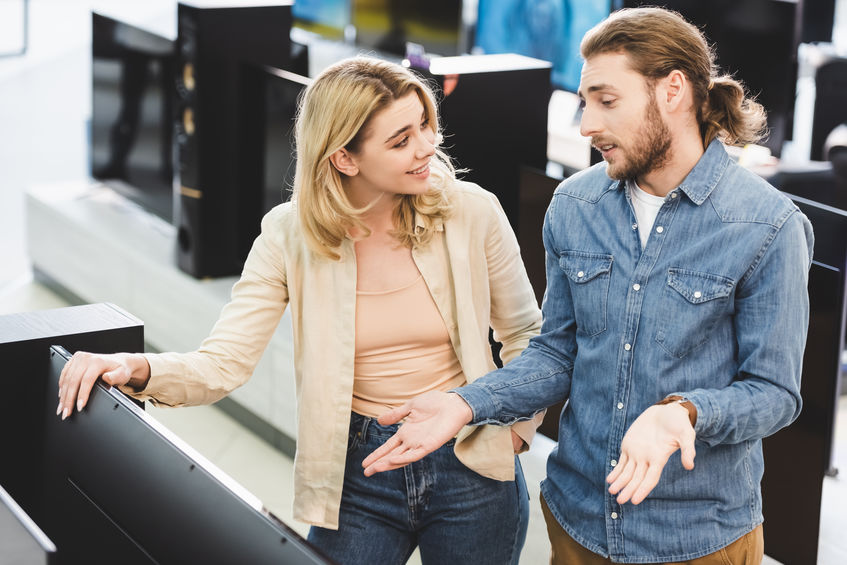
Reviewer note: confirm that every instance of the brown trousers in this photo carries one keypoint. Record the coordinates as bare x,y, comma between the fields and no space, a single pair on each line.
747,550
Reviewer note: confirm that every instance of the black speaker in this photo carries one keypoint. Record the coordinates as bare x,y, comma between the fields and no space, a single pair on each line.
219,50
494,112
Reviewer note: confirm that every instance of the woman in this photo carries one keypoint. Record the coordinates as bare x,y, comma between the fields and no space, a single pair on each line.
393,271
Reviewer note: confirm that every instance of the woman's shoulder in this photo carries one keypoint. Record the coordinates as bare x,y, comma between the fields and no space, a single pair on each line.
472,198
282,224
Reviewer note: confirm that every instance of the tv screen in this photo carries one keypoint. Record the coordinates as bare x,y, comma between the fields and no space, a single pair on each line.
124,489
544,29
132,113
282,95
328,18
756,42
21,540
387,25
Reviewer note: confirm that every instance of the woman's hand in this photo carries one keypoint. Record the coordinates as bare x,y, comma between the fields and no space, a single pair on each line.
83,369
517,442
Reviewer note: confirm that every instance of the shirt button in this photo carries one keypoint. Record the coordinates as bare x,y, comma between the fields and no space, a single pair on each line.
673,194
636,287
627,346
660,229
581,274
613,462
635,226
698,294
614,515
620,405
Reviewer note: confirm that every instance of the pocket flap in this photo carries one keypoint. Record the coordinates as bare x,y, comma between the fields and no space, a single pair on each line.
699,287
581,266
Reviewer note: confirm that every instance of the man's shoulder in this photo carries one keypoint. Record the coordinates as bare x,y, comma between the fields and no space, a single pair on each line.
744,196
588,184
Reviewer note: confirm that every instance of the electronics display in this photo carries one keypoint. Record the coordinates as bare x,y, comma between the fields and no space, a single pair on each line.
124,489
387,25
328,18
282,93
544,29
132,113
755,41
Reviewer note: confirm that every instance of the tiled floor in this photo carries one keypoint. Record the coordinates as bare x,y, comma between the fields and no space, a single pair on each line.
43,110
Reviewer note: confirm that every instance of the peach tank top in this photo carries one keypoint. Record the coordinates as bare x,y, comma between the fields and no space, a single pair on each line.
402,348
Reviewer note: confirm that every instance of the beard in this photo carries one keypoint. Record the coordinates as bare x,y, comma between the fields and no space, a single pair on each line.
653,150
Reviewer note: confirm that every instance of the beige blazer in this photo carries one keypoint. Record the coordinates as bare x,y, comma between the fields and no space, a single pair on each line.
474,271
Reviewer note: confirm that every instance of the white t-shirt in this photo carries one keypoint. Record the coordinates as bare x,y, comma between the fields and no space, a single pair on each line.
646,207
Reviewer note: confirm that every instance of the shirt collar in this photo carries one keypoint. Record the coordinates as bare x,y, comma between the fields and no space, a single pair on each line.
420,225
704,177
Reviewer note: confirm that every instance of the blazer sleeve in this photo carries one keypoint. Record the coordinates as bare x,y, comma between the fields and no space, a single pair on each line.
226,359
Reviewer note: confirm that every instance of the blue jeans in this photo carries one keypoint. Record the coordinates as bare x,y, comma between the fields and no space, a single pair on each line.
452,513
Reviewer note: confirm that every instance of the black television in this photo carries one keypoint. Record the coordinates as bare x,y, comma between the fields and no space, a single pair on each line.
282,92
21,540
386,26
131,138
755,41
544,29
124,489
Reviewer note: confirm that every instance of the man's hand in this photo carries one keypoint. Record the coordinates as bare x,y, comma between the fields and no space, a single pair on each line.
651,439
432,419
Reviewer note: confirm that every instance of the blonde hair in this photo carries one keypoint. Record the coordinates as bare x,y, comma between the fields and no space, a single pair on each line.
658,41
334,112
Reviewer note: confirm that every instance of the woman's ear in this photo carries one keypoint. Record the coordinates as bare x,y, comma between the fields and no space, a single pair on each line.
344,163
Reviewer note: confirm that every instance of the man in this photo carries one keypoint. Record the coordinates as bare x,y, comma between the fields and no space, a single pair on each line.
675,316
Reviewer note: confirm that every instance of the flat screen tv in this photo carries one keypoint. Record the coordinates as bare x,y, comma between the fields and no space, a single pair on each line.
328,18
21,540
132,144
544,29
124,489
387,25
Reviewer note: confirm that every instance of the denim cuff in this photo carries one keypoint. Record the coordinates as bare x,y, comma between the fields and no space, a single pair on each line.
482,401
701,403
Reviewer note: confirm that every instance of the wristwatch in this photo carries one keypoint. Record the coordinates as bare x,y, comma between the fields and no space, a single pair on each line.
684,402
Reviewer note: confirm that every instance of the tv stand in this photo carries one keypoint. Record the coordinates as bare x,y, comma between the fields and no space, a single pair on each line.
97,245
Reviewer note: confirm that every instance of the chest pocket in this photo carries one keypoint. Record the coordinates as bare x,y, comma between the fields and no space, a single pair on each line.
589,275
692,304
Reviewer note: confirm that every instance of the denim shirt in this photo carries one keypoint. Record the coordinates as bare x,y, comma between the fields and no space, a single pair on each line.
714,308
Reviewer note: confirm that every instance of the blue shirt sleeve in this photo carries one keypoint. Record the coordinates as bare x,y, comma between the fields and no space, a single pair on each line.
771,323
541,375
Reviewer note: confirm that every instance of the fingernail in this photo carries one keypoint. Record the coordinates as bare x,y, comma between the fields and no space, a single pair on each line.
65,414
79,406
59,409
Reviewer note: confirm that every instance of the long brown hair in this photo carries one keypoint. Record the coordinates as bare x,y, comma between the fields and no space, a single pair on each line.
658,41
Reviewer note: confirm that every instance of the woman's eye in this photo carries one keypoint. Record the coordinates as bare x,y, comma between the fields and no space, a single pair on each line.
425,124
402,142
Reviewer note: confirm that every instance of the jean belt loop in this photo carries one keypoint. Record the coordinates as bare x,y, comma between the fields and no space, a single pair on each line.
363,433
